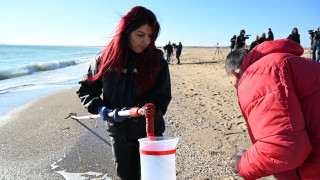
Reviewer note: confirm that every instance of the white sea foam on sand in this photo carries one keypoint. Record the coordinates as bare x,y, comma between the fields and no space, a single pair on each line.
79,176
83,176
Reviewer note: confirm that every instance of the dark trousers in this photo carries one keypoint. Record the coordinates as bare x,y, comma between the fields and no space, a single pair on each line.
127,158
168,57
178,57
314,49
125,145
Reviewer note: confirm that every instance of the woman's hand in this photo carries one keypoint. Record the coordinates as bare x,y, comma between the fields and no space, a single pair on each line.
118,118
104,111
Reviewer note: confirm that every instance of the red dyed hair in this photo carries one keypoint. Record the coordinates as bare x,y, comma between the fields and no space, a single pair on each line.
115,54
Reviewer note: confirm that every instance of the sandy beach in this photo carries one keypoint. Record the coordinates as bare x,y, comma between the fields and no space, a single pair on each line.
37,142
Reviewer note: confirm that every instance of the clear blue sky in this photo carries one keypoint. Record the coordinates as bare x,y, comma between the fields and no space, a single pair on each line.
193,22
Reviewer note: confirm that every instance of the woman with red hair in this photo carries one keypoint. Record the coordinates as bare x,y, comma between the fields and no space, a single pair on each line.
129,72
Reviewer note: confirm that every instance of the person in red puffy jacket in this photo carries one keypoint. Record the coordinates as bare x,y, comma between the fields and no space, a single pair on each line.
279,96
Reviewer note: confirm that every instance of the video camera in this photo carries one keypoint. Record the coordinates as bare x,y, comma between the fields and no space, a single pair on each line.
174,45
247,36
312,33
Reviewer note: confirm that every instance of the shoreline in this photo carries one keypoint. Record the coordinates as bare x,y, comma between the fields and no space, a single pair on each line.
20,105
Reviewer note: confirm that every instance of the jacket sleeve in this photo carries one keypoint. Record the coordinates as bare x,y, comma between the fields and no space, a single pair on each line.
90,91
280,142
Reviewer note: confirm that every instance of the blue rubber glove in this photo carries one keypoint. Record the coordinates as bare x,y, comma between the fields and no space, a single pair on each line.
118,118
104,111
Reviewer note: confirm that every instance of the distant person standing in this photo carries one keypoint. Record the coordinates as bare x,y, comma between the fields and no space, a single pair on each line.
295,36
262,38
270,35
241,40
255,42
178,52
233,42
316,45
169,50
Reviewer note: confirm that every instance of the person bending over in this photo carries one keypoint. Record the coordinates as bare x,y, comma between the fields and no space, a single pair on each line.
278,93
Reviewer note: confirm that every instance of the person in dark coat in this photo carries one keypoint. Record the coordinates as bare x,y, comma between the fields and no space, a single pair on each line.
255,42
295,36
129,72
270,35
262,38
178,52
233,42
316,45
241,40
169,50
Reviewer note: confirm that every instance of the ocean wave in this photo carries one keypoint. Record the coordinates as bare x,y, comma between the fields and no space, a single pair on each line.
38,67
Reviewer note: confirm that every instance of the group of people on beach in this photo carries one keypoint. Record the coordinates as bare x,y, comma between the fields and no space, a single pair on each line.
262,38
239,41
278,93
170,48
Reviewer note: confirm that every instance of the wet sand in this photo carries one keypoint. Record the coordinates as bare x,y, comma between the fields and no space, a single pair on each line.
38,142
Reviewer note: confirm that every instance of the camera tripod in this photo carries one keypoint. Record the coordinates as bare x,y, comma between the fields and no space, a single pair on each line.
218,51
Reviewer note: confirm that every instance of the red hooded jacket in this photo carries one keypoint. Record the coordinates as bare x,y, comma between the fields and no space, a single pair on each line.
279,95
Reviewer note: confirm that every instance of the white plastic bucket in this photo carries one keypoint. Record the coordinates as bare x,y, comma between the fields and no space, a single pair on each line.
157,157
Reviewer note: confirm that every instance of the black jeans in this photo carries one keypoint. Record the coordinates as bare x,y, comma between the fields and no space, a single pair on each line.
178,57
127,158
125,146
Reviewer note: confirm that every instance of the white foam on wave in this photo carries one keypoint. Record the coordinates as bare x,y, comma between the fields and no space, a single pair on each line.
39,67
58,77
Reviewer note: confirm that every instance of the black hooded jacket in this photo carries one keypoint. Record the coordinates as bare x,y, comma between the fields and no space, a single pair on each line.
270,36
294,37
240,41
125,93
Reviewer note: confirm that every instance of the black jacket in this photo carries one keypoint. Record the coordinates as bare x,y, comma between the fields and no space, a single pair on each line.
316,39
168,48
253,44
294,37
179,49
233,42
240,41
270,36
261,40
126,94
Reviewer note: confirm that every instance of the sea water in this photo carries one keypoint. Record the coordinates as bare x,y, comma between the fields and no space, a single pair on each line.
27,72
